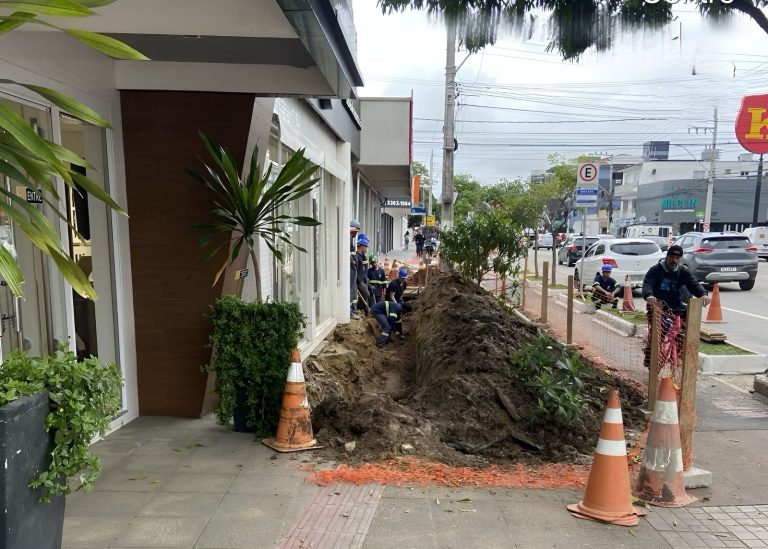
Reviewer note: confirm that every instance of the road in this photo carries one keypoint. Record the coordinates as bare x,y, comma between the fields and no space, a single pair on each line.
745,313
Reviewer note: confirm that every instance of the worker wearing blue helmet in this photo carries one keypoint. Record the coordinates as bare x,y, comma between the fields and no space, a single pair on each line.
389,316
397,287
604,288
363,299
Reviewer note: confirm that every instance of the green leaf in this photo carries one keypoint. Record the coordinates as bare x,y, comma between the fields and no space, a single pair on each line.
10,272
55,8
66,104
14,21
106,45
17,127
93,189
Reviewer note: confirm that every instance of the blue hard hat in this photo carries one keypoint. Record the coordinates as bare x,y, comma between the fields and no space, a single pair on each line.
403,272
607,268
362,240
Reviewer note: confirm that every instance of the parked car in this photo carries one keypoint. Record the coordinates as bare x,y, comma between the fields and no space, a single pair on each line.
629,257
759,237
662,241
720,257
545,241
570,252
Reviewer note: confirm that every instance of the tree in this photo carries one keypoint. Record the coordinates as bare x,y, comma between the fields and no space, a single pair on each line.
35,162
470,195
248,208
469,245
575,25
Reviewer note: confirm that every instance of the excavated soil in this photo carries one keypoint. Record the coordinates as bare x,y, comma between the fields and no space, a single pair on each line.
444,394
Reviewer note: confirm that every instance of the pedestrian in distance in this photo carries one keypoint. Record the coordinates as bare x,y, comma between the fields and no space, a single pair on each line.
669,283
389,316
407,239
377,279
396,289
419,239
605,289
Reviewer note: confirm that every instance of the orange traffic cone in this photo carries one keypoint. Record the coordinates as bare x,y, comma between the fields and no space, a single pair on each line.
660,481
294,431
628,306
386,265
715,313
608,498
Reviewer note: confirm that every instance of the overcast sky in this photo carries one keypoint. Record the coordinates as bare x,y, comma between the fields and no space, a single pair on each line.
518,104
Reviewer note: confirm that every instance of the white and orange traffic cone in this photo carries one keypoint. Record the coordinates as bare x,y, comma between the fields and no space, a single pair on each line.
608,498
628,305
660,481
294,430
715,312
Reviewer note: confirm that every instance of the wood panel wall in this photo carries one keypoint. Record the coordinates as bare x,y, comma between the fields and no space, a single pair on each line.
171,287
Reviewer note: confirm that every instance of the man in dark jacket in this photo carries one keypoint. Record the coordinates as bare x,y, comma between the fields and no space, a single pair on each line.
665,280
377,279
605,289
361,260
396,289
389,316
419,240
665,283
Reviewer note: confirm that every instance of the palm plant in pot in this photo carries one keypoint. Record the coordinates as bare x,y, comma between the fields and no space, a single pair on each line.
248,210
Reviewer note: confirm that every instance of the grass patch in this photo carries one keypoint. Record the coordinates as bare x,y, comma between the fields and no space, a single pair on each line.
638,317
721,349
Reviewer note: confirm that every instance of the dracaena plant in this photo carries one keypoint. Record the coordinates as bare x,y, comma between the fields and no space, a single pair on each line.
248,208
31,160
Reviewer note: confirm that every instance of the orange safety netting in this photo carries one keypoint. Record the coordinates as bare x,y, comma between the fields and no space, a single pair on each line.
424,473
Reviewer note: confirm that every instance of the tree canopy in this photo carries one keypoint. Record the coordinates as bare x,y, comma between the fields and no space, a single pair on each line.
575,25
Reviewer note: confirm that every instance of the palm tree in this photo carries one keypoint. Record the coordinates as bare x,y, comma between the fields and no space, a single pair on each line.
30,160
248,208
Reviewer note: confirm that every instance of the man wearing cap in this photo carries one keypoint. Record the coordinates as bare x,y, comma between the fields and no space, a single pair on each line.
604,288
377,279
396,289
665,282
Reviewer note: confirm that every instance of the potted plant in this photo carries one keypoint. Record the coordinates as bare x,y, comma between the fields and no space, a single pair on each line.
51,408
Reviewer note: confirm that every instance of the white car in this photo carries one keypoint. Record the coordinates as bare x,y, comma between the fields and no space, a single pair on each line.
629,257
545,241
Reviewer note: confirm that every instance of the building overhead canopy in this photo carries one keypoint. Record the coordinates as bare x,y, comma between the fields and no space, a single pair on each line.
266,47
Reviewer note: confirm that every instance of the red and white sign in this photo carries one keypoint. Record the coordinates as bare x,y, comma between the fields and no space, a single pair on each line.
587,174
752,123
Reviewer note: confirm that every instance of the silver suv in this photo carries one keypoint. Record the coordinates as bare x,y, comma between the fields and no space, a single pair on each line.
720,257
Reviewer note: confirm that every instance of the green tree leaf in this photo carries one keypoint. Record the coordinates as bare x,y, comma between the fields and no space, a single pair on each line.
55,8
106,45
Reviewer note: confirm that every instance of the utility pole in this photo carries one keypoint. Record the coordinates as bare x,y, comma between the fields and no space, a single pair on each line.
711,182
429,200
758,189
446,215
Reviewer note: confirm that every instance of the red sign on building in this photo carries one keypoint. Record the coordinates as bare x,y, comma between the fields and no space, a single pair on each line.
752,124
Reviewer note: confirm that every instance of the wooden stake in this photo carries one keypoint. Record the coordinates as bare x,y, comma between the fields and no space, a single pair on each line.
653,370
569,313
544,292
687,411
525,275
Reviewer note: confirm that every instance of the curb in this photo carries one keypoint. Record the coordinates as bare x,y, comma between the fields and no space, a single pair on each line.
578,306
733,364
624,327
697,478
761,385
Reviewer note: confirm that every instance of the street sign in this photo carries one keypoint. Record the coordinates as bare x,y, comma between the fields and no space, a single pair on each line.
586,176
586,198
429,221
418,210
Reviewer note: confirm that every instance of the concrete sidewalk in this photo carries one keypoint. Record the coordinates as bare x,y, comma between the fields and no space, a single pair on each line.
192,484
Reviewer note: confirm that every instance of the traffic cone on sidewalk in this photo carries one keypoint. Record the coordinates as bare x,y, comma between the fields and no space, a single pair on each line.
715,313
607,498
294,430
386,266
660,481
628,305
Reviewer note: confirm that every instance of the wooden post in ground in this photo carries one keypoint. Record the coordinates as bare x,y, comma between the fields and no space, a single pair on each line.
569,313
653,370
544,292
525,275
687,411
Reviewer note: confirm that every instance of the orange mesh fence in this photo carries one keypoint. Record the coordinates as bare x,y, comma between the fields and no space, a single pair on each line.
425,473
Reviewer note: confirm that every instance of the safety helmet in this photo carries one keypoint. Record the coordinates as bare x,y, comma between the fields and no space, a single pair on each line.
607,268
362,240
355,224
403,272
372,258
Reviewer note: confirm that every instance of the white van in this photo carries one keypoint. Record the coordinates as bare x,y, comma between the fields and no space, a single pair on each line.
759,237
642,230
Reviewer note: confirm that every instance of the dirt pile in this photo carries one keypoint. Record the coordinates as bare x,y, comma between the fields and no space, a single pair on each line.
446,394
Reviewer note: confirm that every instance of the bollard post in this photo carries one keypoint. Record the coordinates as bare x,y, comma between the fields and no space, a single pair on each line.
569,313
544,292
653,369
525,275
687,411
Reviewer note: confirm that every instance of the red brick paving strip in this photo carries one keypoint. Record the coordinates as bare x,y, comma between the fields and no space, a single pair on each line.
338,517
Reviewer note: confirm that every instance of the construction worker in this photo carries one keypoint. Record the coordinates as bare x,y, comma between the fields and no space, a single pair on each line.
354,230
361,261
396,288
377,279
605,289
389,316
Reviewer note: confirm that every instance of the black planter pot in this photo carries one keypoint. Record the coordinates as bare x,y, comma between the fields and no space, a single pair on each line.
240,414
24,450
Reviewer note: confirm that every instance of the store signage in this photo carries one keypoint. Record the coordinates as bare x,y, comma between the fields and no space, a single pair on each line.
678,204
34,197
752,123
400,202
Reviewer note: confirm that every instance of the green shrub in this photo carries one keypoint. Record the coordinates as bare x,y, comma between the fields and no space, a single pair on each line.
84,397
252,344
554,377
